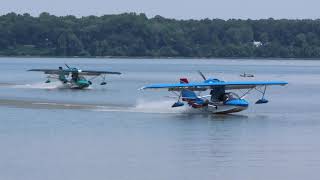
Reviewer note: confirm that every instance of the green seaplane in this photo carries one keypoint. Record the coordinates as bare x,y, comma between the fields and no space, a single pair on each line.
74,78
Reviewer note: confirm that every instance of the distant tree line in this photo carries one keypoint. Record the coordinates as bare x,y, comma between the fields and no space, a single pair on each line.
135,35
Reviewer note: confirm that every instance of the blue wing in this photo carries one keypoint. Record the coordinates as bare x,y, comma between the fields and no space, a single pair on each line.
227,85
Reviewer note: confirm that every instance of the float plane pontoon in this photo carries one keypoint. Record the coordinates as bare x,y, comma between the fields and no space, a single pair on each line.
220,100
73,77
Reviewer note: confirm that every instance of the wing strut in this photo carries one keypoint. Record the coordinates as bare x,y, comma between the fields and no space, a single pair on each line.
262,100
103,80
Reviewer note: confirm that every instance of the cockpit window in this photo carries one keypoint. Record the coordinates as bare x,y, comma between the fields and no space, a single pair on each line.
234,95
81,78
229,96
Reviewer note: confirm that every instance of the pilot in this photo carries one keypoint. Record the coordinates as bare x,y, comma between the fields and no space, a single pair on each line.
217,94
206,102
75,76
225,97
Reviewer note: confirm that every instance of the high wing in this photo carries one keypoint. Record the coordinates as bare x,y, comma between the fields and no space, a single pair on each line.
206,85
49,71
71,70
97,73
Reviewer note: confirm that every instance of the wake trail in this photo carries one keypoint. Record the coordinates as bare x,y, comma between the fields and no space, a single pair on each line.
144,106
52,85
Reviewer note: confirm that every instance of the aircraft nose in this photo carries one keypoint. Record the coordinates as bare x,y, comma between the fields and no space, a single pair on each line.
84,83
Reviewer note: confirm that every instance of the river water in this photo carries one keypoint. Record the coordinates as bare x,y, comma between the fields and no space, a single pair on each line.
118,132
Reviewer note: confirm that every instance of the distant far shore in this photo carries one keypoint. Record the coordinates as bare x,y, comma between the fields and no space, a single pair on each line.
158,58
137,36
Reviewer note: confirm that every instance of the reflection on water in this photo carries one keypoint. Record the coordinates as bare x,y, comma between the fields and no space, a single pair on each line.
117,132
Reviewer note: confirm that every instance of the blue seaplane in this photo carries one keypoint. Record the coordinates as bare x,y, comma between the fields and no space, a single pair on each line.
74,78
220,99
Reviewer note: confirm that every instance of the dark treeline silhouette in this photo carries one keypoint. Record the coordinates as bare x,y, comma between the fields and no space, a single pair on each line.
135,35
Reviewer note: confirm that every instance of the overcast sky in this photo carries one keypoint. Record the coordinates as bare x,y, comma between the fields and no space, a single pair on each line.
179,9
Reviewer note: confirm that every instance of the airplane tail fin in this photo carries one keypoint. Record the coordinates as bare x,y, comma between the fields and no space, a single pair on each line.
184,81
188,95
62,75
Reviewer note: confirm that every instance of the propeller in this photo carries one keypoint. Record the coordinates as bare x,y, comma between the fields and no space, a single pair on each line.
68,66
201,74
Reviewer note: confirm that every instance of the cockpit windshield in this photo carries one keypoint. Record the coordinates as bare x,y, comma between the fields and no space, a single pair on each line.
81,78
230,95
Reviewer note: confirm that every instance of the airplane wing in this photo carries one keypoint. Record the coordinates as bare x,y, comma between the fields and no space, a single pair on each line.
47,71
227,85
97,73
67,71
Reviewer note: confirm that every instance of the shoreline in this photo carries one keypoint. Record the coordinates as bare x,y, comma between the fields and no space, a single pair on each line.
160,58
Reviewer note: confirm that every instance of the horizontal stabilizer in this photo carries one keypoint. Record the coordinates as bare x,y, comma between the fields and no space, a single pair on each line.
178,104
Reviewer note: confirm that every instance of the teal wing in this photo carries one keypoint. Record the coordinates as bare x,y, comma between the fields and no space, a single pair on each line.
80,72
47,71
97,73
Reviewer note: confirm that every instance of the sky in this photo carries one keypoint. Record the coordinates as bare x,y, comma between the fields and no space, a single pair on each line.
177,9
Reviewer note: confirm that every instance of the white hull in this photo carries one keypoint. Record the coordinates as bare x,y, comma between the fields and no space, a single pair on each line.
70,85
224,109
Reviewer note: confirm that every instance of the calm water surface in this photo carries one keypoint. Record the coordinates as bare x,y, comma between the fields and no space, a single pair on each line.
118,132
